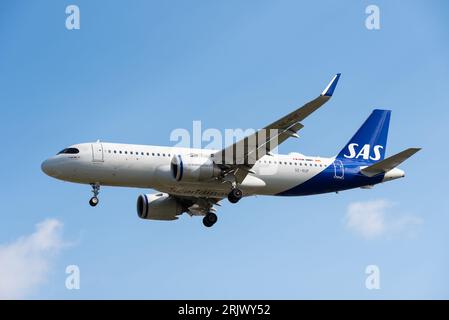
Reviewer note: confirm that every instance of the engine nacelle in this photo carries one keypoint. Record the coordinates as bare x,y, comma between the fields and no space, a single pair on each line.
159,206
193,168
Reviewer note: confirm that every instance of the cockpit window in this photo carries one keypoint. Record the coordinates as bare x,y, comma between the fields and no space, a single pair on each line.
69,151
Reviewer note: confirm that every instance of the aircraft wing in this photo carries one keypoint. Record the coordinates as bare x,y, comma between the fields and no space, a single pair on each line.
240,157
389,163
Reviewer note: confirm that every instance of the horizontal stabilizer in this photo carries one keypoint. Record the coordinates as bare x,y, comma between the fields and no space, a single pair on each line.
389,163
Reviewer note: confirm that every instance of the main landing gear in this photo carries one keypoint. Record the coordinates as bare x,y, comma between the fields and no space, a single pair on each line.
95,190
235,195
210,219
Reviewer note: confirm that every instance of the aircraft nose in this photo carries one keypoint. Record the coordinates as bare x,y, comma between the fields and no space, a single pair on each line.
45,166
48,168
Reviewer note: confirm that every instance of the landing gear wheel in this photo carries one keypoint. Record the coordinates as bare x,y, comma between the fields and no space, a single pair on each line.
95,190
93,201
235,195
210,219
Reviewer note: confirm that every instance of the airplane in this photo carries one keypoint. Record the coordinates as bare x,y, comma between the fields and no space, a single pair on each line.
194,181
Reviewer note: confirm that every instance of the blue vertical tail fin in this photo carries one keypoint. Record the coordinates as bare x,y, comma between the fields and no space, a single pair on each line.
370,141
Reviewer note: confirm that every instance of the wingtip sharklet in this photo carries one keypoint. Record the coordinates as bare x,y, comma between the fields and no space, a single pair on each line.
329,91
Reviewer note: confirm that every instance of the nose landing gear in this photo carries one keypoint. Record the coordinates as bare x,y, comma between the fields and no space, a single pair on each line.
95,190
93,201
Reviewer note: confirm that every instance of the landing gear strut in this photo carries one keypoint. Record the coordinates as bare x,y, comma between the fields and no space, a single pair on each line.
95,190
210,219
235,195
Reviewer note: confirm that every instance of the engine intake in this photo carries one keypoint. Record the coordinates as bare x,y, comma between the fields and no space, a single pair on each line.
160,206
193,168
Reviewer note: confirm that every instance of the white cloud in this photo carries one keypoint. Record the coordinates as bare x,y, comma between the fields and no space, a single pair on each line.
372,219
25,263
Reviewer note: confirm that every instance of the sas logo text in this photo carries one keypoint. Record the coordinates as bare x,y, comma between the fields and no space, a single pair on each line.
365,152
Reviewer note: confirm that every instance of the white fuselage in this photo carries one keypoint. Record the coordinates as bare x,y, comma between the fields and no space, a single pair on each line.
142,166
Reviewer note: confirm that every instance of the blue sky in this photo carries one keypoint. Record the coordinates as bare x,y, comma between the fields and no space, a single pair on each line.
137,70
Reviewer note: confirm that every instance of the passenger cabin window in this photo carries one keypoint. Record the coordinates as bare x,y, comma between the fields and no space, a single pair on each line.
69,151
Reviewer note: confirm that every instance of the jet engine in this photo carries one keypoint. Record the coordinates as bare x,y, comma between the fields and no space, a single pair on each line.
193,168
159,206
